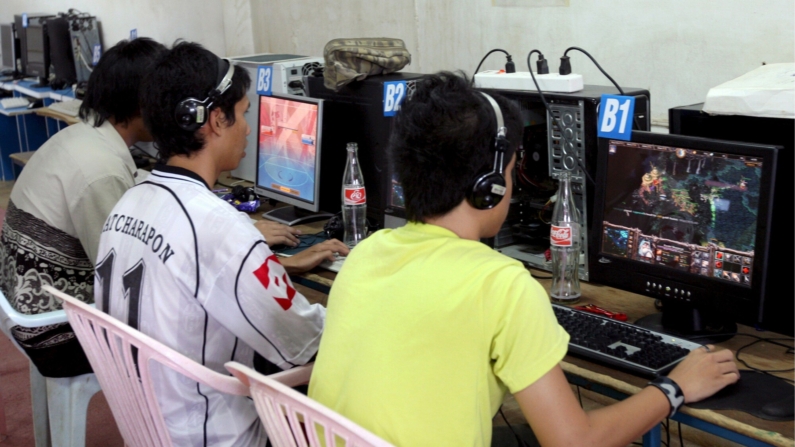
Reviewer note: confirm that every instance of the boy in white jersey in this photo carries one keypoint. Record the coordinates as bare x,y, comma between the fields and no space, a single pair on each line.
184,267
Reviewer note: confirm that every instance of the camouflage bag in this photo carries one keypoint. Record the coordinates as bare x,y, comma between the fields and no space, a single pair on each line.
349,60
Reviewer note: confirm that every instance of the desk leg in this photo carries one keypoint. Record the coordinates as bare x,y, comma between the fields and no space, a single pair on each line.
653,437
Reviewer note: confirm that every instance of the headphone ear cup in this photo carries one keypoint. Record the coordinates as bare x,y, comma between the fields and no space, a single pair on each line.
488,191
190,114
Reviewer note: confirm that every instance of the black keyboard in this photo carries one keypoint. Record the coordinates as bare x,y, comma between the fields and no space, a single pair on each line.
621,345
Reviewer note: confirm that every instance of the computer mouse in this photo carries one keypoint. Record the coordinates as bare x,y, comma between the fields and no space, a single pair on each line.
36,104
781,409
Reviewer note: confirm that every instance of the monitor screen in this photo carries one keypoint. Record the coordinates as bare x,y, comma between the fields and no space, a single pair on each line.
288,155
7,46
685,220
685,209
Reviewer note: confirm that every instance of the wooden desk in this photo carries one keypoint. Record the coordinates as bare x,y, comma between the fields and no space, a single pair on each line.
766,356
50,113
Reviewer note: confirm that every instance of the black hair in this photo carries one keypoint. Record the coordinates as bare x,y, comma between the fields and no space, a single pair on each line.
114,84
443,139
188,70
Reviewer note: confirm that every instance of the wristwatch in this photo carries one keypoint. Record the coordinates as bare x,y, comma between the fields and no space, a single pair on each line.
676,398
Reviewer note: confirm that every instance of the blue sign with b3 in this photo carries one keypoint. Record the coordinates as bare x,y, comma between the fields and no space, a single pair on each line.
394,94
264,80
615,117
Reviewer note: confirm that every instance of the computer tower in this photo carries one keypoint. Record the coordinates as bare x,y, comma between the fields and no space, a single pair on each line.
778,305
550,146
86,43
61,54
356,114
288,76
247,170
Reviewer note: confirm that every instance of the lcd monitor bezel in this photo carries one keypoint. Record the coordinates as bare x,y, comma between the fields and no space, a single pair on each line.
314,205
740,302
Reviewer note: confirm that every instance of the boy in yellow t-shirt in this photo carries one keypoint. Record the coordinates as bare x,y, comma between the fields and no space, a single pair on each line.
427,328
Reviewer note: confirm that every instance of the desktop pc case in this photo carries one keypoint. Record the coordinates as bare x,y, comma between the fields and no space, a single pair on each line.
288,70
547,149
780,289
355,114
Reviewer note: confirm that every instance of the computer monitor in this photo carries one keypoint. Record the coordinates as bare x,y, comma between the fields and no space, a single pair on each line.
9,48
35,48
685,220
289,132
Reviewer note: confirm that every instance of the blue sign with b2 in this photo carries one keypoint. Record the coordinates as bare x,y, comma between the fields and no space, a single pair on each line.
394,94
615,117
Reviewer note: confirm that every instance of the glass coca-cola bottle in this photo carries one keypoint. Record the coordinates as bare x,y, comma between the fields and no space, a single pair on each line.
564,237
354,200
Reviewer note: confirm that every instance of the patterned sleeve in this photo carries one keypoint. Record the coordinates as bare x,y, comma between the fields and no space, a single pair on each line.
254,298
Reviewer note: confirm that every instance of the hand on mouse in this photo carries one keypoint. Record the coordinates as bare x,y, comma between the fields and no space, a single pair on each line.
704,372
314,255
276,233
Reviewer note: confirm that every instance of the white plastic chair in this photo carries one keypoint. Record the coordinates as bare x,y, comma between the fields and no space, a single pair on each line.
286,413
109,344
60,405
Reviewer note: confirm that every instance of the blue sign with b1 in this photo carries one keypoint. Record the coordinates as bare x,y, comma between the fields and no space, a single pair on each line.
264,78
615,117
394,94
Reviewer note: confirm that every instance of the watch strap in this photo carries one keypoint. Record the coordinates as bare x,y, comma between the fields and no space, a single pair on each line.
671,390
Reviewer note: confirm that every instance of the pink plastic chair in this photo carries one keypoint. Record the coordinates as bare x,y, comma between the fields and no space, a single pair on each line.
108,344
285,412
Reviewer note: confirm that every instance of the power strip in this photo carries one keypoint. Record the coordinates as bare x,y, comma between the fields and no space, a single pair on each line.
521,80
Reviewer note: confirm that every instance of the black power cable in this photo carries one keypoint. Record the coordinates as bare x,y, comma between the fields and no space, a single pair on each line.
509,65
758,339
519,440
565,66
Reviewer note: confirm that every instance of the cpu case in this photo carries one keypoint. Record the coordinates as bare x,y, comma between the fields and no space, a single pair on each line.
288,76
567,142
360,113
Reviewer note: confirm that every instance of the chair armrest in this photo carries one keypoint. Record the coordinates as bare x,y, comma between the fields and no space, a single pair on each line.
36,320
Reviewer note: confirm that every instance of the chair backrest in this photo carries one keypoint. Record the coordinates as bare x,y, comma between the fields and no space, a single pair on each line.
294,420
122,359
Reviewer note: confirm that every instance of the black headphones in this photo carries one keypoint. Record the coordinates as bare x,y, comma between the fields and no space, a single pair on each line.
489,188
191,114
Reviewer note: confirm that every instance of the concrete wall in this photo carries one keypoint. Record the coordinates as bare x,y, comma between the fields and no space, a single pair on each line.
676,49
162,20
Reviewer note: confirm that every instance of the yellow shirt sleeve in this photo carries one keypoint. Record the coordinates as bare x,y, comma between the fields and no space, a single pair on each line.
527,341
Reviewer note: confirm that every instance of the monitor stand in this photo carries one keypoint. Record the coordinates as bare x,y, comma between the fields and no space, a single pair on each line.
42,83
290,215
685,321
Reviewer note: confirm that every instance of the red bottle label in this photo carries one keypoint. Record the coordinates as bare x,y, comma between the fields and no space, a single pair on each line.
355,196
560,236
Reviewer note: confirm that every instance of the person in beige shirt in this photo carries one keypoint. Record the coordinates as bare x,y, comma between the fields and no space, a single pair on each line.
61,199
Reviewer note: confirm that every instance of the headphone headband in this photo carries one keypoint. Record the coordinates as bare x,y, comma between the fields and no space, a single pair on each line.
191,113
490,187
